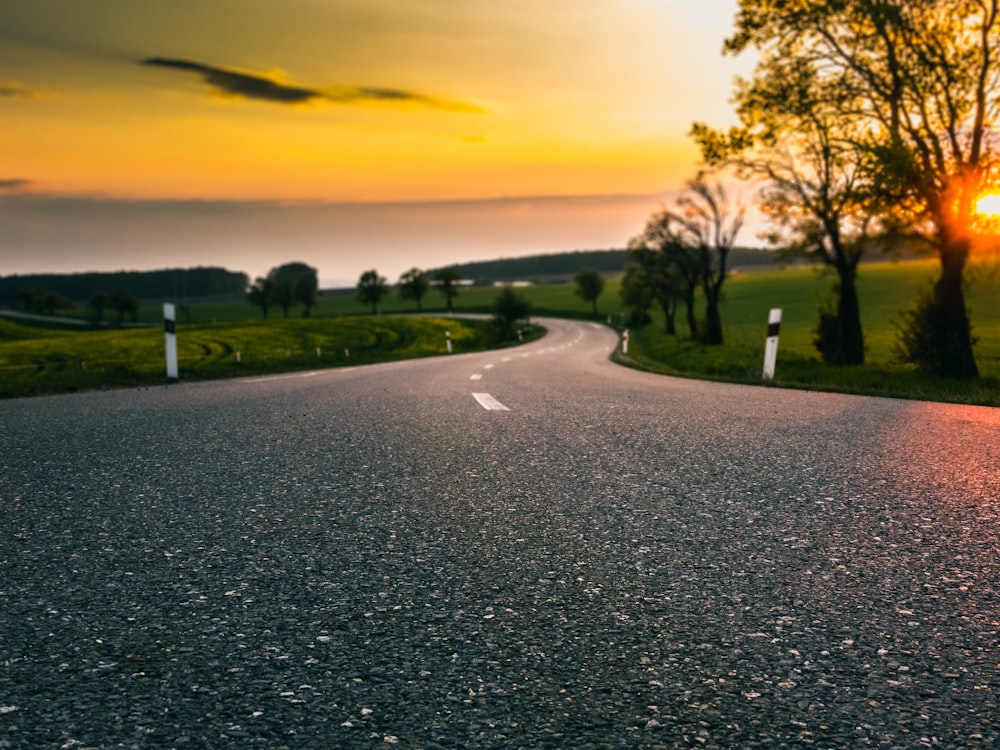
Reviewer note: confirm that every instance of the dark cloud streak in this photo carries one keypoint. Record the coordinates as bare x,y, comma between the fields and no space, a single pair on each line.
16,90
14,185
251,86
240,84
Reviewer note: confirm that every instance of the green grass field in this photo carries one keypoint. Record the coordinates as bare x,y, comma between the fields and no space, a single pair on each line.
36,359
885,289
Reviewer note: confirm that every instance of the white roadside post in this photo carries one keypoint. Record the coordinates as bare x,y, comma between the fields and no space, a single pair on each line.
447,339
625,342
169,327
771,347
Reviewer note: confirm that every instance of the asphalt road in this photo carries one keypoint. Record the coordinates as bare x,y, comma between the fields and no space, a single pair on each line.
371,557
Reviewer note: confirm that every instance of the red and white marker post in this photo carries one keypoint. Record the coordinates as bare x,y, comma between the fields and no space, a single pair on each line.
771,347
170,330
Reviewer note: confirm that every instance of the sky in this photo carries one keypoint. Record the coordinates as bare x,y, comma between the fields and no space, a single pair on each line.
347,134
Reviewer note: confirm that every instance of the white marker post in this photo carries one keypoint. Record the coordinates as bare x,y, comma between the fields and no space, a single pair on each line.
447,339
771,347
169,327
625,342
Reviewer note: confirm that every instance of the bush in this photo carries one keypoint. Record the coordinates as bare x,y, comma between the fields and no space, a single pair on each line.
927,338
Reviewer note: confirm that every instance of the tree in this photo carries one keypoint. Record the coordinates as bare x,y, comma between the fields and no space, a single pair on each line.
589,286
371,289
509,308
922,75
306,291
97,304
706,223
124,304
447,280
261,294
413,285
671,268
794,135
637,295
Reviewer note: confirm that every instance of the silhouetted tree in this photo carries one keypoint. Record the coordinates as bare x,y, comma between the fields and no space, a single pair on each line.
637,295
706,222
922,78
371,289
794,135
589,285
414,285
447,283
307,291
98,303
260,294
672,269
509,308
124,304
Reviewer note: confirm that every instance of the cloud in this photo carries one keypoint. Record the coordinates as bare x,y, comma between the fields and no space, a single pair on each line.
253,86
17,90
235,83
14,185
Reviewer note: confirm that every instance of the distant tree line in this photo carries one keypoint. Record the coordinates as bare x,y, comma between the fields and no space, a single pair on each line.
560,267
80,288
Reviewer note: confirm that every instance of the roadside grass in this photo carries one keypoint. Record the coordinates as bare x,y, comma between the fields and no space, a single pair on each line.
34,361
885,289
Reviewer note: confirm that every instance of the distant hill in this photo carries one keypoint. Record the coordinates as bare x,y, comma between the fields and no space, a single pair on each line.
148,286
561,267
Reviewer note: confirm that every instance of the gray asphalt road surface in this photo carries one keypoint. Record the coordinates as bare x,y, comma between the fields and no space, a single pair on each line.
531,548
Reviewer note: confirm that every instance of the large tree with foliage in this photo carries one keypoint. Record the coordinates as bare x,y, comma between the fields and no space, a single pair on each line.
923,81
413,285
706,222
589,286
509,308
671,268
794,136
260,294
371,289
446,280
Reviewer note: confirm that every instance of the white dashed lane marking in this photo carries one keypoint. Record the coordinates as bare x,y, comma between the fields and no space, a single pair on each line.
488,402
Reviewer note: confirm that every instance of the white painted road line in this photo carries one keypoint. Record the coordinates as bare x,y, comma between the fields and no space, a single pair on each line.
488,402
477,376
487,367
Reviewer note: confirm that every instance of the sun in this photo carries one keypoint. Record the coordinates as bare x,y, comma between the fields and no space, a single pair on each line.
989,205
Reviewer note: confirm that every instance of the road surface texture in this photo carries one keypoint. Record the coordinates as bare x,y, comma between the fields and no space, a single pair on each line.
531,548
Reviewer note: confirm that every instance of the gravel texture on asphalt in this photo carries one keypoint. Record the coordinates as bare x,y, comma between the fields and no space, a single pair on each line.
371,560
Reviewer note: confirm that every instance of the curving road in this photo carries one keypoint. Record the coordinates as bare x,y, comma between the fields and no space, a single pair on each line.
530,548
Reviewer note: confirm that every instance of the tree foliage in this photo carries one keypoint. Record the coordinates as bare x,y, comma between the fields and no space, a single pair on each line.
284,286
794,137
707,224
920,78
509,308
371,289
446,280
671,269
589,286
413,285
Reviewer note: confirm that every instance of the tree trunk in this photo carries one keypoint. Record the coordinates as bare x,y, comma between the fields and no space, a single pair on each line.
957,357
713,318
852,340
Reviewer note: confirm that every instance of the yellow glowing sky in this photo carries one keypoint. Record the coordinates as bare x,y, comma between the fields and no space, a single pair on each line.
335,101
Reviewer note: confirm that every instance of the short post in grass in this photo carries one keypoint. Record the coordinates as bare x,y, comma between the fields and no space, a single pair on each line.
170,329
447,340
625,341
771,347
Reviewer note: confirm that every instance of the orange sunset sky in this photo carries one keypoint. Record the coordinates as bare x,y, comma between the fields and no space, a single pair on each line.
348,134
